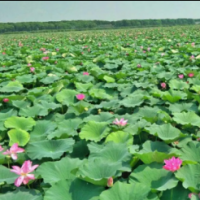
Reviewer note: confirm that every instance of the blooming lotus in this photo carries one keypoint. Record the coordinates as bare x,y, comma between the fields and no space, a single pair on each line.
190,75
85,73
45,58
193,44
163,85
13,151
181,76
172,164
80,96
120,122
5,100
139,66
148,49
29,64
1,148
32,69
192,57
24,171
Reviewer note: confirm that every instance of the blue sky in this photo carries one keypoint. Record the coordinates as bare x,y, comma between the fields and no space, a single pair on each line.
22,11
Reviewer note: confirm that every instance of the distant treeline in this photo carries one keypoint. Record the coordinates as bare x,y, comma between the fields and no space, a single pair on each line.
91,24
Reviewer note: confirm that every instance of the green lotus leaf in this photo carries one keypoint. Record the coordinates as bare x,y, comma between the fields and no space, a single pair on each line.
190,153
97,171
42,129
49,149
126,191
111,153
31,111
50,79
132,102
109,79
178,193
68,190
22,194
178,85
102,117
155,152
180,107
18,136
20,123
154,176
196,88
14,86
83,87
27,78
80,150
189,118
173,96
53,172
190,176
66,128
136,127
165,132
7,176
66,96
120,137
5,116
79,107
99,94
108,104
94,131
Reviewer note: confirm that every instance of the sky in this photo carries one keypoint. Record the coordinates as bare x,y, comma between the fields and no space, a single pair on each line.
27,11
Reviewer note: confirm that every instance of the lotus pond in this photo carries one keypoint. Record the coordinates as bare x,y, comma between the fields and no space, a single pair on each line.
100,115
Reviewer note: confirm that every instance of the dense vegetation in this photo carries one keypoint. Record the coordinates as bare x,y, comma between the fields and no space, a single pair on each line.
90,24
100,115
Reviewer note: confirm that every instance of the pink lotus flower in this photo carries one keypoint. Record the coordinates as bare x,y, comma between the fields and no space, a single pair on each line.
120,122
13,151
144,51
57,49
172,164
110,182
190,75
181,76
190,195
86,73
141,47
80,96
193,44
5,100
29,64
45,58
4,53
163,85
42,49
46,52
192,57
24,171
139,66
1,148
32,69
20,44
148,49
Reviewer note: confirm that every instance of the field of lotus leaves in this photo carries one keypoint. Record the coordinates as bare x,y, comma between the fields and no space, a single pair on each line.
100,115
